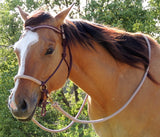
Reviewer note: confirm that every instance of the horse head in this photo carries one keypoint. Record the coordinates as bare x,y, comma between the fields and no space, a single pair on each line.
39,52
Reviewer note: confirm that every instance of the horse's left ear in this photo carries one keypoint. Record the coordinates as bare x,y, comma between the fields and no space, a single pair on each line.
62,15
23,14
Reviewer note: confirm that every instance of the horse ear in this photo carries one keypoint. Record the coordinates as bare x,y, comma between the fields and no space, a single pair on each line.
23,14
62,15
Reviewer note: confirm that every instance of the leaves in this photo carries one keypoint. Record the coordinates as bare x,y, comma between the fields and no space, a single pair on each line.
126,14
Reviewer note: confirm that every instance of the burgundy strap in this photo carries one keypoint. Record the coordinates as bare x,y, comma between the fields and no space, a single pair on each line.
43,26
64,45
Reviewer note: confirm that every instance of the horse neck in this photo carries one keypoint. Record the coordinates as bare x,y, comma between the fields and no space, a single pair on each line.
102,77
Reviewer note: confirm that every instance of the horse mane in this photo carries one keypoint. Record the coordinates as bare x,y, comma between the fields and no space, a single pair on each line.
125,47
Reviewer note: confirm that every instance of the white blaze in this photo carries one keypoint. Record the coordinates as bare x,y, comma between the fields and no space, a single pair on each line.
28,39
22,46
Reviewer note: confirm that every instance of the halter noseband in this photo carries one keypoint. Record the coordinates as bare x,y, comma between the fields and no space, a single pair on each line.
42,84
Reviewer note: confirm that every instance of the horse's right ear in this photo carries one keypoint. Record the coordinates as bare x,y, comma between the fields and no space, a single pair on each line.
23,14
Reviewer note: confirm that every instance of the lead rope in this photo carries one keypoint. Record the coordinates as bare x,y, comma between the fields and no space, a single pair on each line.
74,119
63,129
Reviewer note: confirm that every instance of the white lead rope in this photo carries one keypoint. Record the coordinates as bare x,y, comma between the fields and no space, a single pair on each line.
60,130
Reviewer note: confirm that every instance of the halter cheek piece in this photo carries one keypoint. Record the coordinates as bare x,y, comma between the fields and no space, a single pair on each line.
42,84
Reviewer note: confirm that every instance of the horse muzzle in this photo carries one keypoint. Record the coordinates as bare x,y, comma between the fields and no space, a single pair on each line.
22,109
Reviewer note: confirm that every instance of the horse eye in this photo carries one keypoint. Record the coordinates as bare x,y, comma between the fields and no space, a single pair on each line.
49,51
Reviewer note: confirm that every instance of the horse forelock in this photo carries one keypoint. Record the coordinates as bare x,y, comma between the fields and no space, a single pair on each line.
37,18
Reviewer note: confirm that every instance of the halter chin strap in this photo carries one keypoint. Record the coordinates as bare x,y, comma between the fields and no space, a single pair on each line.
42,84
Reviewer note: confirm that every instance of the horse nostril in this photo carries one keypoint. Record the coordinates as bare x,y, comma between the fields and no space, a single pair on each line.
24,105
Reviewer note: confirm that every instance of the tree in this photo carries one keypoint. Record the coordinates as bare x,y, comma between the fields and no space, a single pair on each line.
124,14
155,11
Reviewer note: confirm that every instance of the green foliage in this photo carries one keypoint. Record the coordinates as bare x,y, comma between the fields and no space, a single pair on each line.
155,12
125,14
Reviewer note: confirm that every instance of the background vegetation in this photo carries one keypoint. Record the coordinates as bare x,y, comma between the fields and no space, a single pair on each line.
131,15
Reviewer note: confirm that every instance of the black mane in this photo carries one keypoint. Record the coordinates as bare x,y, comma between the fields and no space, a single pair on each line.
124,47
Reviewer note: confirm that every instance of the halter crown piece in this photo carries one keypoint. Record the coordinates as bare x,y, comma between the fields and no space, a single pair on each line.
55,104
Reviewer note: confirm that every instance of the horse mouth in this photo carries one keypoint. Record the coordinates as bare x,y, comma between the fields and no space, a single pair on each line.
30,117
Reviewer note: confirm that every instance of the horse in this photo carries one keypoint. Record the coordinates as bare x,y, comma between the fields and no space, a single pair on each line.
107,63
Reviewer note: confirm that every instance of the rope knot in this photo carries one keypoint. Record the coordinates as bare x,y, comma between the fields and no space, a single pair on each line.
44,97
43,87
63,55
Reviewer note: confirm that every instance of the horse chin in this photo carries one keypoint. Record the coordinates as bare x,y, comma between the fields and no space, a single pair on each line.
29,118
32,114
